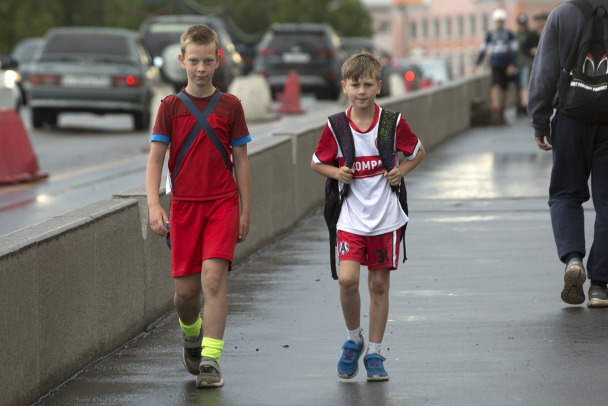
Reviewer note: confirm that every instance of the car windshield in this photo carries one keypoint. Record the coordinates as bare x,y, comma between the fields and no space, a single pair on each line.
159,35
435,70
169,27
106,45
304,40
25,52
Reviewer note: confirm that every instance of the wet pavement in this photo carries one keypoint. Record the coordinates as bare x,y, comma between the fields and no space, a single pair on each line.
475,314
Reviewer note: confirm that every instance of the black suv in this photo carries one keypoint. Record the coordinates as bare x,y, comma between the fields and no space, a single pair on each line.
313,51
160,35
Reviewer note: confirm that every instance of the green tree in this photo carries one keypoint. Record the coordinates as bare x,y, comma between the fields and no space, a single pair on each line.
247,19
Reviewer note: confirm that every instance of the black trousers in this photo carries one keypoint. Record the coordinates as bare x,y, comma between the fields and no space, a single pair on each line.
580,151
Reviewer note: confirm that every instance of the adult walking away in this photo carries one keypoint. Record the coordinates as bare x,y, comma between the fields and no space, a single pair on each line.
371,218
527,41
502,45
580,150
205,220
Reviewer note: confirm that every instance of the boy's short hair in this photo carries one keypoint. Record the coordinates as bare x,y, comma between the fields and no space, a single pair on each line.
200,35
360,65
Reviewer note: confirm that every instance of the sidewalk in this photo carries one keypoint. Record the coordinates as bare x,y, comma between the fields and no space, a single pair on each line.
476,316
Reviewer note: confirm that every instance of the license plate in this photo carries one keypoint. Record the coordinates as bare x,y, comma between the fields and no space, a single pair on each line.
296,57
85,81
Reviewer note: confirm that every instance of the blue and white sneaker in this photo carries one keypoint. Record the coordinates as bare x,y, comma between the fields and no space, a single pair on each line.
374,363
348,366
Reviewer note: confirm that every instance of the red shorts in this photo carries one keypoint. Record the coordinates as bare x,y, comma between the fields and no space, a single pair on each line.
201,230
376,251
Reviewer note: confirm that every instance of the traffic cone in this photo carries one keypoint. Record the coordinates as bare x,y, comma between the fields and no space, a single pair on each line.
291,95
18,162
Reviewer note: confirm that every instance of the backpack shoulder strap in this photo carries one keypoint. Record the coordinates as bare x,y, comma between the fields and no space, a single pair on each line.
201,123
341,128
586,10
386,139
584,6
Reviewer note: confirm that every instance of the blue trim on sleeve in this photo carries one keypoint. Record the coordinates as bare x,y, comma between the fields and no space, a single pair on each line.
161,138
241,141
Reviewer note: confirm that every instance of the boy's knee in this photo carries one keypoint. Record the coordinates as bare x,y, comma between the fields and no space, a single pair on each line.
378,284
188,293
378,289
348,283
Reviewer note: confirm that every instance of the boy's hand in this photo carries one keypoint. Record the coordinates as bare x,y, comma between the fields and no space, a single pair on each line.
243,228
346,175
158,219
394,176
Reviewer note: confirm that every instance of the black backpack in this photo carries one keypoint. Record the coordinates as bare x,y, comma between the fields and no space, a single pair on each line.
334,198
583,83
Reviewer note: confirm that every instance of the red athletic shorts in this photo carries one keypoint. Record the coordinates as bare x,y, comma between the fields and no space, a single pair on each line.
201,230
376,251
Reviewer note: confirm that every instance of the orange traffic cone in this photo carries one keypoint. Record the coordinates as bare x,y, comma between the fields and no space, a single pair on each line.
291,95
18,162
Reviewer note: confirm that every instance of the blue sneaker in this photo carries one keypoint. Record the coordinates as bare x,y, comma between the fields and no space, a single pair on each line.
348,366
375,367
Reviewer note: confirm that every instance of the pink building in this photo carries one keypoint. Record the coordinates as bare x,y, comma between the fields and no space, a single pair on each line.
453,29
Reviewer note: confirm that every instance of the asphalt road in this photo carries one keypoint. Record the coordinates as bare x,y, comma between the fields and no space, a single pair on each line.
476,316
92,157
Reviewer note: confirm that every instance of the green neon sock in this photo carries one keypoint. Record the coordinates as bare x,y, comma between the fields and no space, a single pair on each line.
212,348
192,331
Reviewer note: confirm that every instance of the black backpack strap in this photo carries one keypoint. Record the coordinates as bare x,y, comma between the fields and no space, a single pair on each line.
386,139
587,10
344,135
386,148
201,124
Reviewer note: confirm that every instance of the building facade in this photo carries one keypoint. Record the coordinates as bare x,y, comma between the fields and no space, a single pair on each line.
452,29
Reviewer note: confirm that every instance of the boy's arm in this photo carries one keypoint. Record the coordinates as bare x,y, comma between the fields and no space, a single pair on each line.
343,174
398,172
243,180
156,159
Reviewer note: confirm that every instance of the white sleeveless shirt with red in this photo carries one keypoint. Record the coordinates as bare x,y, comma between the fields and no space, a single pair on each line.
371,207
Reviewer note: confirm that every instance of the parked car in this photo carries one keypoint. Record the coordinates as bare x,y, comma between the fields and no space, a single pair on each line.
86,69
412,75
436,69
160,35
24,54
312,50
10,96
352,45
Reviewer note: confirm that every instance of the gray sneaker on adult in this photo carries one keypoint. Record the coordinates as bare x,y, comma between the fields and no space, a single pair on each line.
598,297
574,278
210,375
191,352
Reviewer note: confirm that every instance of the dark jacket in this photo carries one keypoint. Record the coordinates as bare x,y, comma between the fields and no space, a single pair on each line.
559,37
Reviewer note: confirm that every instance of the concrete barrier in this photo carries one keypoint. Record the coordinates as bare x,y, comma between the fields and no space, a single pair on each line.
79,285
255,95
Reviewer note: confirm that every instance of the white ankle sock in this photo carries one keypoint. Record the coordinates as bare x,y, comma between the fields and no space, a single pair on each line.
355,335
373,348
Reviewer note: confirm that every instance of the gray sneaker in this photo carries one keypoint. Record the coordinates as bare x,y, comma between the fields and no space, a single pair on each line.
210,375
574,279
598,297
191,352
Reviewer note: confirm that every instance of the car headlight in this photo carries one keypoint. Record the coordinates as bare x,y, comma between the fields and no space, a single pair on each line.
11,78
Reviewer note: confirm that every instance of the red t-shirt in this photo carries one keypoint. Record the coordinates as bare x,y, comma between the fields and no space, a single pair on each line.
203,174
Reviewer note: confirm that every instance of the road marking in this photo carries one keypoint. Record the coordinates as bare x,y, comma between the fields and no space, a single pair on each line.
75,173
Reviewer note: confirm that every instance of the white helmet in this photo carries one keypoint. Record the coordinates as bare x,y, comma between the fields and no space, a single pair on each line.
499,15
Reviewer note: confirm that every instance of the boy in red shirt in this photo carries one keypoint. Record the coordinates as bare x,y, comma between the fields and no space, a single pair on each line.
371,217
205,220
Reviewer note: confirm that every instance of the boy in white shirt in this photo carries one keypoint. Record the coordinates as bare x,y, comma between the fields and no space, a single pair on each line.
371,217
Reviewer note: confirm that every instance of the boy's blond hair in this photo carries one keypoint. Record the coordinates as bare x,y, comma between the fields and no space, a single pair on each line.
360,65
200,35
